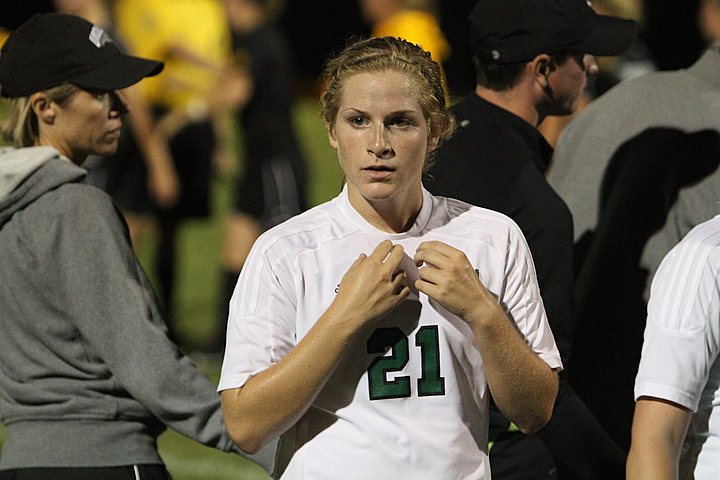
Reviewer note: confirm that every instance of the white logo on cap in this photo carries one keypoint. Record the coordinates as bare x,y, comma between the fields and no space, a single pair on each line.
99,37
495,54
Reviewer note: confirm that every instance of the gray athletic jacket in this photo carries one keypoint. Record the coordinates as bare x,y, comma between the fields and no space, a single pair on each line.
88,376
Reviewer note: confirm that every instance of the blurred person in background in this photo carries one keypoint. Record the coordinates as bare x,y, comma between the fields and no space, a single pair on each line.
89,377
533,60
272,183
140,129
638,170
413,20
417,21
193,39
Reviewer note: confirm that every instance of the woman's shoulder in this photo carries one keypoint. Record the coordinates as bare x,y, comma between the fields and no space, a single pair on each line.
305,230
468,213
78,204
83,197
469,221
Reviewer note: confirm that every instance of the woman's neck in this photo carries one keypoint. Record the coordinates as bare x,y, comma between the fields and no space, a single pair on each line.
387,215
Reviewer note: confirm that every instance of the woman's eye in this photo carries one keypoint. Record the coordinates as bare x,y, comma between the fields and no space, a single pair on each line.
98,94
357,121
401,122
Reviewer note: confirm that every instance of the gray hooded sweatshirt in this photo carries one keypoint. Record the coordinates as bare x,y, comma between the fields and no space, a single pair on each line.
88,376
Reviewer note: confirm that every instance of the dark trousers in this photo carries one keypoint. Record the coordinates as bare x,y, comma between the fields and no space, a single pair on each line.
521,457
131,472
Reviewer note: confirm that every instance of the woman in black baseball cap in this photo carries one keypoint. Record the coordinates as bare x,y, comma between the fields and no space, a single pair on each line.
88,376
52,49
50,65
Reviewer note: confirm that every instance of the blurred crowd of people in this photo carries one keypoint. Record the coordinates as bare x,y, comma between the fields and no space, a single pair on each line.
605,173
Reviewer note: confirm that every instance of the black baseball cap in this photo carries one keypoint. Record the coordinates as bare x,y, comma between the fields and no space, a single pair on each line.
505,31
54,48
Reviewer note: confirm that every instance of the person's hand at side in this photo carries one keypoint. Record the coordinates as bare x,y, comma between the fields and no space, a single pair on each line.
162,181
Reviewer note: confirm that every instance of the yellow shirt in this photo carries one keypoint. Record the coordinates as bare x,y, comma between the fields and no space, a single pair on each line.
417,27
192,38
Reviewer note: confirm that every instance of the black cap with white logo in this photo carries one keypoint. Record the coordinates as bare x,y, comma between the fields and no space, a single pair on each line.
505,31
55,48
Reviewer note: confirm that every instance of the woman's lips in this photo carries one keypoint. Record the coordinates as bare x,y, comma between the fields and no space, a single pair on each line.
378,172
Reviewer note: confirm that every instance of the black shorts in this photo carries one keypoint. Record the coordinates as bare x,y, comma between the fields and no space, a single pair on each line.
130,472
192,149
272,190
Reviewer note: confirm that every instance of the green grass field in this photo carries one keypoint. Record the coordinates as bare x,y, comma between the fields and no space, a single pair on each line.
199,280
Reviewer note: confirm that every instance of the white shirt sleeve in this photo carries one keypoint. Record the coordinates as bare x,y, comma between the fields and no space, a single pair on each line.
682,335
261,324
524,304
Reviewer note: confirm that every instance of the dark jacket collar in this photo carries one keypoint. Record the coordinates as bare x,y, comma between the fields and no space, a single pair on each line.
528,133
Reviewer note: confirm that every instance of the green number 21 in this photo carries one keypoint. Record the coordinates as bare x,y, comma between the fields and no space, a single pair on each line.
431,383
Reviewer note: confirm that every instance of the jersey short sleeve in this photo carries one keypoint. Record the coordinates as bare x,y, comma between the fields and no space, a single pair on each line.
682,336
523,301
261,323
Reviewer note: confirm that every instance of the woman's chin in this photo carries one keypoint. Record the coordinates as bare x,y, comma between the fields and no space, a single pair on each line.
378,192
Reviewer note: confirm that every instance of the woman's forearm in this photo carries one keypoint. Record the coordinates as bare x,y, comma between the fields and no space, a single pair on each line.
523,386
274,400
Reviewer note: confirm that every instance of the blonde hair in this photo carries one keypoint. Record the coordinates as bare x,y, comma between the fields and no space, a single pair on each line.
21,126
389,53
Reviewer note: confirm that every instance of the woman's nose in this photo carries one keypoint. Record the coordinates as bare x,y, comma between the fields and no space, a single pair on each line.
119,104
379,142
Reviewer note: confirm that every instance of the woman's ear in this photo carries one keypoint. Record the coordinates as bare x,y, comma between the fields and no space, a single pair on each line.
433,140
44,107
331,136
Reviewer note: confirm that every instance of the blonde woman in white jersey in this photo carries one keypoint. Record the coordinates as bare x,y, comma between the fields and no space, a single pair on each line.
368,331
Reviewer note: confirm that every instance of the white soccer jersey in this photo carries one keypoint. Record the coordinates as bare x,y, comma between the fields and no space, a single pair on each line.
409,400
682,340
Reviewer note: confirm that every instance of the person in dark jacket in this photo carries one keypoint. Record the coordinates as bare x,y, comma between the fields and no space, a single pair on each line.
533,59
